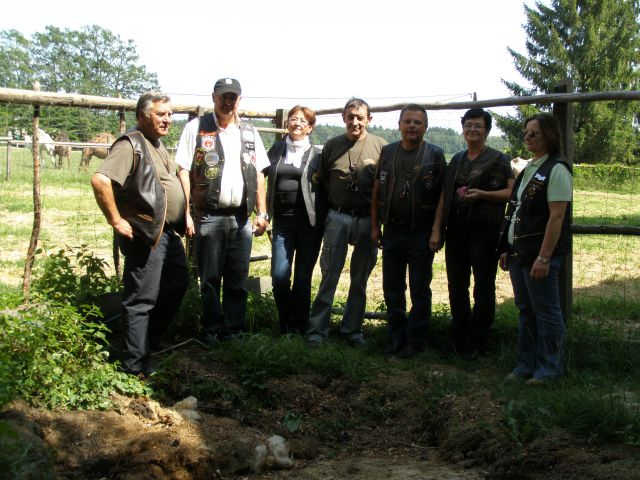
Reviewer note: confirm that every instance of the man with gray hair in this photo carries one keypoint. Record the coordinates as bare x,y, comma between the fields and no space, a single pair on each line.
137,189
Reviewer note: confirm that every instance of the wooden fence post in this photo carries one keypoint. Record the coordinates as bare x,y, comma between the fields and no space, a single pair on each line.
37,203
563,111
115,248
9,152
280,121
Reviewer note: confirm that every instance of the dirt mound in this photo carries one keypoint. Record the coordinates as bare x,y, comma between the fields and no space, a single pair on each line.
391,427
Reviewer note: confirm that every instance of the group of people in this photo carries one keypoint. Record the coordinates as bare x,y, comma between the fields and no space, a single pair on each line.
357,190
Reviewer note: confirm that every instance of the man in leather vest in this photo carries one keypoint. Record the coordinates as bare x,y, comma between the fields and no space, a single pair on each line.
221,159
405,196
137,189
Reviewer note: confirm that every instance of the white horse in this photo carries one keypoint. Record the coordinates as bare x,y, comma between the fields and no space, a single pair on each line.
46,145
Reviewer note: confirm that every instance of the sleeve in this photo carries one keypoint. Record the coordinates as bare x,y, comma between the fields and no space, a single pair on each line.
560,187
262,160
118,163
506,163
187,144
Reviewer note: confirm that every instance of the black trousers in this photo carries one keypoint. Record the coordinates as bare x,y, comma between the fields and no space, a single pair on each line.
470,249
155,280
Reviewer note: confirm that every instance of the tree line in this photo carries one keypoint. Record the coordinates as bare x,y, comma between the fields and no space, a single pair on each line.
595,43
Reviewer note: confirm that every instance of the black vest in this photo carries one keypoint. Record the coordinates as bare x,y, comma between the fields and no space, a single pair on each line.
141,200
491,179
208,165
426,187
533,215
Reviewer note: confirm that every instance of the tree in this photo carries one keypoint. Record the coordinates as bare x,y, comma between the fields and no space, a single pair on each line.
91,61
596,44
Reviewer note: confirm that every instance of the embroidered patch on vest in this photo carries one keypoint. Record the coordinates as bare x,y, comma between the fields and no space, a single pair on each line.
383,176
198,156
211,159
212,172
208,142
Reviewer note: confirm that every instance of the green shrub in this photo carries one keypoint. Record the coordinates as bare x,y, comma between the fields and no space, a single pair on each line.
606,177
73,276
52,357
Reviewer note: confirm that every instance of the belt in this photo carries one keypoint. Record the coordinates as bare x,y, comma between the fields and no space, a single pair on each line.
228,212
399,223
354,212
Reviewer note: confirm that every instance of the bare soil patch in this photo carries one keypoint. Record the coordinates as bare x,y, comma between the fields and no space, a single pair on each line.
391,427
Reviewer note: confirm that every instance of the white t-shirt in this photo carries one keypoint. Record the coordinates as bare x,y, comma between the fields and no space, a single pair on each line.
231,185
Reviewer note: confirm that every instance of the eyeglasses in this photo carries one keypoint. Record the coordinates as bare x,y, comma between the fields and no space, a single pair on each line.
531,133
470,126
299,121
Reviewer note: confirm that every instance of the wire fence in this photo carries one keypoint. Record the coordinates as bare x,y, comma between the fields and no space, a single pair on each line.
605,267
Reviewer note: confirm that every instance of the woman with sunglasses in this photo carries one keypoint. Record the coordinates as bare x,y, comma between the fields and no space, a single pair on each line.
536,222
297,230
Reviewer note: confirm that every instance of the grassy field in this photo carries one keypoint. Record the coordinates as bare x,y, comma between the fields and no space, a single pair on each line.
605,267
462,403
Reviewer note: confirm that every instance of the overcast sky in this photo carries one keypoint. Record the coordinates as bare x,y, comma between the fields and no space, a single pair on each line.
315,53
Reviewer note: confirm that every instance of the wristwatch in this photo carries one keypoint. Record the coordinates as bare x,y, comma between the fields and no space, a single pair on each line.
264,215
542,259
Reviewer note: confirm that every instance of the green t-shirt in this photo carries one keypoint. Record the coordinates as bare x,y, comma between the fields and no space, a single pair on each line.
347,189
119,162
560,188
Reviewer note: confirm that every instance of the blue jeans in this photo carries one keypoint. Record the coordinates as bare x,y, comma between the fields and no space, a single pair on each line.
404,248
470,248
155,280
340,230
542,332
223,251
293,235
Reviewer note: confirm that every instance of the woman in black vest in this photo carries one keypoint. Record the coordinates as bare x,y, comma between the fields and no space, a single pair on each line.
297,229
536,221
477,186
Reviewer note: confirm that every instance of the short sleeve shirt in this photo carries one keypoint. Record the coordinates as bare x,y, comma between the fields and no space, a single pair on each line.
560,188
357,166
232,185
118,164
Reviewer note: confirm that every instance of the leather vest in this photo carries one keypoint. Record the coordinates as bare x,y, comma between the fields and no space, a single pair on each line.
208,163
532,217
426,186
141,200
491,179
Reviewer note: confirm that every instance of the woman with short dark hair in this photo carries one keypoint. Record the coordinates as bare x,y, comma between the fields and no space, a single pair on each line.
477,187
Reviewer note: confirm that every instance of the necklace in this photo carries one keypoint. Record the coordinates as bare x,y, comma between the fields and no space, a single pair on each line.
354,165
353,168
411,173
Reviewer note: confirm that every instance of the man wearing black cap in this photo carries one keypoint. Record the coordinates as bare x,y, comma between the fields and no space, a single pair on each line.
221,159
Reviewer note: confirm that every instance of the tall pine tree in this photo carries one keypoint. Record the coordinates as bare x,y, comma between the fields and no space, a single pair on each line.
596,44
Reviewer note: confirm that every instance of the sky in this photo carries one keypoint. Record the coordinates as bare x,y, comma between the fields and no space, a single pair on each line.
312,53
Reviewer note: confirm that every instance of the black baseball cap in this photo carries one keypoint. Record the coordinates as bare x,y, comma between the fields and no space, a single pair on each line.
227,85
